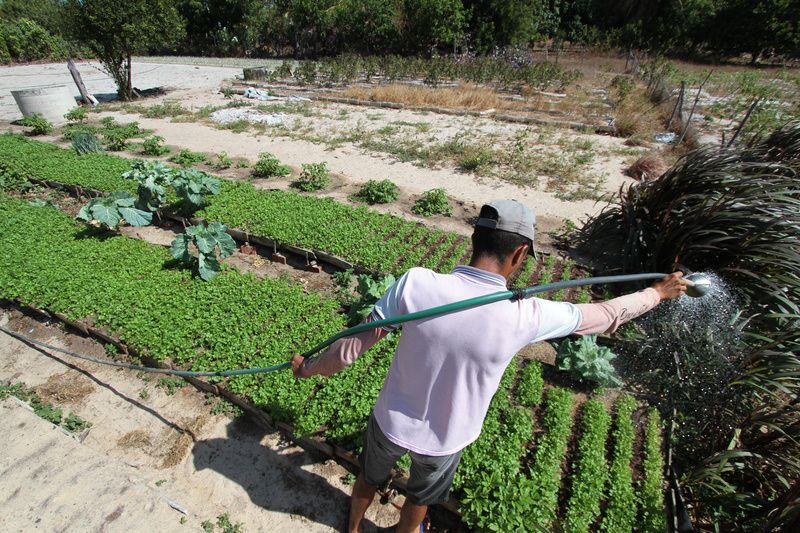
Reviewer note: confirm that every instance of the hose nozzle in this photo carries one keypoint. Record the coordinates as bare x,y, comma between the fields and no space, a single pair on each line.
699,284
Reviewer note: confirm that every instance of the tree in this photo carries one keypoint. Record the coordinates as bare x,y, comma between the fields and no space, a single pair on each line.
427,24
511,22
115,30
755,27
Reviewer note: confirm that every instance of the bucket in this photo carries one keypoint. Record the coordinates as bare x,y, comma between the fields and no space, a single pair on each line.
50,102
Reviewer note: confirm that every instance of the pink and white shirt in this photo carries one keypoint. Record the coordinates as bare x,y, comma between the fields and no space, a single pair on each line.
447,368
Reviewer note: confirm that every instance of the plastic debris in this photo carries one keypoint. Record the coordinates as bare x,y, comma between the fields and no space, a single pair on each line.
667,137
175,505
259,94
226,116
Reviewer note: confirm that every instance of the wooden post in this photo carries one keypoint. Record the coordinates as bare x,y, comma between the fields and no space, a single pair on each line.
691,113
130,77
87,98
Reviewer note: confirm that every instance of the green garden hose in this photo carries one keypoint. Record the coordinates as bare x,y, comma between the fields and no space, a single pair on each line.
478,301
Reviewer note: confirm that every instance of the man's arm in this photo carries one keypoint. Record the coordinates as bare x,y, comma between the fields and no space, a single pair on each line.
606,317
339,355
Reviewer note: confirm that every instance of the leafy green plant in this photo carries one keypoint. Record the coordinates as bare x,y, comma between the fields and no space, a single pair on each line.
621,507
11,178
433,202
152,179
193,186
545,475
222,161
38,124
585,360
268,166
154,146
590,469
531,384
86,143
370,291
75,424
651,490
187,158
208,240
115,140
170,385
111,210
313,177
377,192
77,114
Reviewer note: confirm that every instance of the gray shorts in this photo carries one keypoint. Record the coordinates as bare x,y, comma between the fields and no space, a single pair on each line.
431,476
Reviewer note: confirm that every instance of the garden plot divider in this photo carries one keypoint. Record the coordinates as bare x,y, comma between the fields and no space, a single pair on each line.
398,480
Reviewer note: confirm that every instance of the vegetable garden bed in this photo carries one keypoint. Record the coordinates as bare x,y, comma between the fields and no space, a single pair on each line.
310,227
133,294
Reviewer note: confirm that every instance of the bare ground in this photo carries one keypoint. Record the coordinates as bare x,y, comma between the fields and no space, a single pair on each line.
145,449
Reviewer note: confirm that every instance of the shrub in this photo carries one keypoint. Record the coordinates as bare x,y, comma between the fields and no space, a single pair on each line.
77,114
187,158
268,166
24,40
313,177
588,361
38,124
377,192
153,146
433,202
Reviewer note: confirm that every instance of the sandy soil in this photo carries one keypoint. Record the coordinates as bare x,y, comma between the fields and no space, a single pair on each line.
144,449
196,86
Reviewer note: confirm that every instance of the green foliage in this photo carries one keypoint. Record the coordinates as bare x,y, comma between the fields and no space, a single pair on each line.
377,192
313,177
154,146
109,211
651,489
589,470
433,202
194,186
170,385
24,40
207,240
38,124
75,424
226,526
222,161
114,32
77,114
152,179
11,178
187,158
586,360
370,291
268,166
86,143
621,508
545,475
531,384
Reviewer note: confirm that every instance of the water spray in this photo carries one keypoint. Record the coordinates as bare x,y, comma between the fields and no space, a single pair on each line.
698,286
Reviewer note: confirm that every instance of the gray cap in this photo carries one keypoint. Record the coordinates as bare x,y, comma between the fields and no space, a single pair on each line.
511,215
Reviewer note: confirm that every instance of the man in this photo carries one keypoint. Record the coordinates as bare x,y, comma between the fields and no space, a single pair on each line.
447,368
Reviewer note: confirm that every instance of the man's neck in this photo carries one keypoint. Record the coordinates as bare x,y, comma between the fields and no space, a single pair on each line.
488,264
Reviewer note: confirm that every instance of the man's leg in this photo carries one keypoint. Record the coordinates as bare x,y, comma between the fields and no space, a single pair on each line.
411,516
363,493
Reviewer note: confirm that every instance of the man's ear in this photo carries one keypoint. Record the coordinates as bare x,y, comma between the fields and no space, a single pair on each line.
520,253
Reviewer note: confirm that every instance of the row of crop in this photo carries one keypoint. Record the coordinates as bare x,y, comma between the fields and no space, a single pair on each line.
375,241
133,290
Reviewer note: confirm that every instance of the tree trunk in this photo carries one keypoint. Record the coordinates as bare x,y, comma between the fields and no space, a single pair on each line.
130,83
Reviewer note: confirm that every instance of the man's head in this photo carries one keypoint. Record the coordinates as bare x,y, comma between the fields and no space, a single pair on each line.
503,235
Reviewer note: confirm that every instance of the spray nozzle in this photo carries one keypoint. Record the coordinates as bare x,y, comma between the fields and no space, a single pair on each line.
699,284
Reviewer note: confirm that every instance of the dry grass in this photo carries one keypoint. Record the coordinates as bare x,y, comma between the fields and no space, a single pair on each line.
647,168
64,388
465,96
135,439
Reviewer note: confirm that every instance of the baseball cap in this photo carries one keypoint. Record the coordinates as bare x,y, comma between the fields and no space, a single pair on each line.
511,216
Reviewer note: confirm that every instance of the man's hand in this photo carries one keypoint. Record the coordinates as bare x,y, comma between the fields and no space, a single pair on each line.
671,287
297,366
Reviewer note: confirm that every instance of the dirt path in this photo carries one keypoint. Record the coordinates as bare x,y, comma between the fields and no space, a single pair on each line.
144,449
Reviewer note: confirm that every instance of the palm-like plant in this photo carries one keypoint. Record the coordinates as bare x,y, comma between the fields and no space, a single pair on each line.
737,212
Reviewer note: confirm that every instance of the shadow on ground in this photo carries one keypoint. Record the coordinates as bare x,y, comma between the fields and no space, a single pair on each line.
273,480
